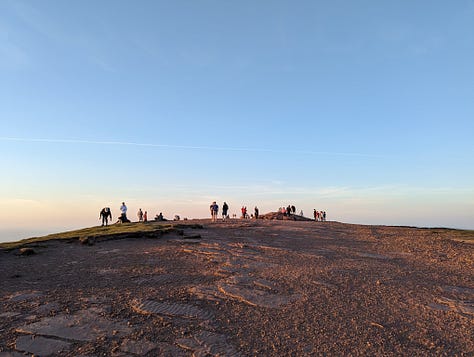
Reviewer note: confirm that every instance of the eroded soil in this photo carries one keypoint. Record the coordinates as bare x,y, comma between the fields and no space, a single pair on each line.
250,288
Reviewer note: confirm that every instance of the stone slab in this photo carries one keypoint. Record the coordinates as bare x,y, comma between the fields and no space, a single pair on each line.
41,346
208,343
255,297
11,354
9,314
83,326
170,309
140,348
25,296
48,308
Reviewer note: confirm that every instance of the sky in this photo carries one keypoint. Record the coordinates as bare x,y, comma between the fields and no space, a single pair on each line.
364,109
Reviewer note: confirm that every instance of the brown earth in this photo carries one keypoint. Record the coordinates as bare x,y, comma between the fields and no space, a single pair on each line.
250,288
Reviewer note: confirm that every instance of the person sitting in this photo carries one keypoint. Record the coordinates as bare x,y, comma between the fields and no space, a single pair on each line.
159,217
123,219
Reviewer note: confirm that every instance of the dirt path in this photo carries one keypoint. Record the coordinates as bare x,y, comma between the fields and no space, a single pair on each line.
248,288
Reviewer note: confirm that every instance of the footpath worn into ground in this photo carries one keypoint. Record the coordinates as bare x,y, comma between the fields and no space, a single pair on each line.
243,288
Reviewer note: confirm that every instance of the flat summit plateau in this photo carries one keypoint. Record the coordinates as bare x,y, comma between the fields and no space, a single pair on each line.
241,288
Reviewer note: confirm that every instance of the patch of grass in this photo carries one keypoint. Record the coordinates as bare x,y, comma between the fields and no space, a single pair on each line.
112,230
460,235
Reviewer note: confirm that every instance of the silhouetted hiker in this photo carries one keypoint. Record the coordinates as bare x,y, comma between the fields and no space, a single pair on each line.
225,208
293,209
288,210
256,212
105,214
324,216
140,215
214,208
145,217
315,214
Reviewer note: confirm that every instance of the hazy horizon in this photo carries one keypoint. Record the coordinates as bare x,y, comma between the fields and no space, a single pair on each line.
18,233
363,109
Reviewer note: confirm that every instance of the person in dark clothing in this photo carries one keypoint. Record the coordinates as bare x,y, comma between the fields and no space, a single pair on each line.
214,208
105,214
288,210
256,212
293,209
225,208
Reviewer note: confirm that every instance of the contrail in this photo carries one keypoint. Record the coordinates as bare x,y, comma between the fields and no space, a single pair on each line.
187,147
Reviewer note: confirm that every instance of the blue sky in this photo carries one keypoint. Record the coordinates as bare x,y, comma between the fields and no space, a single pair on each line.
364,109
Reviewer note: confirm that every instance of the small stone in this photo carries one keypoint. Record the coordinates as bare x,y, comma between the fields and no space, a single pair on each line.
87,240
27,251
195,236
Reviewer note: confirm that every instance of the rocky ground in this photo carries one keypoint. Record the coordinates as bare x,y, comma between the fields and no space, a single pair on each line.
245,288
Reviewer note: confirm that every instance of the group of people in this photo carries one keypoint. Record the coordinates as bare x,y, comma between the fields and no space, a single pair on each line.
245,214
142,217
214,209
288,210
319,215
106,214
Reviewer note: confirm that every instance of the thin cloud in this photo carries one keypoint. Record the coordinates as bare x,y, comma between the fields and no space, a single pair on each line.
189,147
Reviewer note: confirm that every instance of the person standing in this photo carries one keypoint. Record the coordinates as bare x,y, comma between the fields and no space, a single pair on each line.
145,217
256,212
123,210
105,214
140,215
315,214
214,209
225,208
